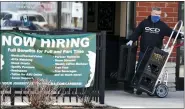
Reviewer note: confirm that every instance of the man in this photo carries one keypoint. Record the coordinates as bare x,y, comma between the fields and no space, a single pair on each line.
152,31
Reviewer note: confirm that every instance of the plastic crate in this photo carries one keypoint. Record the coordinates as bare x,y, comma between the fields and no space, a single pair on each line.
150,68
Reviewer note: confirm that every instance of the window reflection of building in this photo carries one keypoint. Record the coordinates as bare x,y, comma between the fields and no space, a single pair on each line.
72,15
66,16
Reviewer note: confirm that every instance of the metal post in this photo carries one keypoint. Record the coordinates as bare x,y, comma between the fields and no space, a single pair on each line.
59,4
85,8
12,96
102,68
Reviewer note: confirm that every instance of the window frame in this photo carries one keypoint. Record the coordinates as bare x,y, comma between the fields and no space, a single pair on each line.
179,80
131,18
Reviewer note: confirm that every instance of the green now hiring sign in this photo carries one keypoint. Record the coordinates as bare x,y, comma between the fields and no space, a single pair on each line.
64,60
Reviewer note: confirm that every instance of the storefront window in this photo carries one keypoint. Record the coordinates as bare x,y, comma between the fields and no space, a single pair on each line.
29,15
181,74
72,15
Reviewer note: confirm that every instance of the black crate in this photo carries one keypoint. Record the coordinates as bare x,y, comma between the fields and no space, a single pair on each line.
147,82
127,63
149,69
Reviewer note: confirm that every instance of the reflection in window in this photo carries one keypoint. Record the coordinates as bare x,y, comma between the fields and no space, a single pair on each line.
7,17
2,15
42,14
72,15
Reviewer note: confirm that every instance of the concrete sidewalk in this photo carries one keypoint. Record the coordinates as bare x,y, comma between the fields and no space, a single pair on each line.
122,99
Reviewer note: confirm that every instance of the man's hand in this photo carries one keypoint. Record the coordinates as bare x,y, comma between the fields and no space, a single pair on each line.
129,43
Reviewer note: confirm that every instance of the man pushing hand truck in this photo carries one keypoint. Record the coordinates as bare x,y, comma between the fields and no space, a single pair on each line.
150,75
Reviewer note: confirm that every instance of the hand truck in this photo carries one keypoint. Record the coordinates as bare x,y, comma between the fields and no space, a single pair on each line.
151,75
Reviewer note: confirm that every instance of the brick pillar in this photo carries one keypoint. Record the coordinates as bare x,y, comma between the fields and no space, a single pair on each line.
169,16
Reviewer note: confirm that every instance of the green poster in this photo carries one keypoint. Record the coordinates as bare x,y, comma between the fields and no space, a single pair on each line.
64,60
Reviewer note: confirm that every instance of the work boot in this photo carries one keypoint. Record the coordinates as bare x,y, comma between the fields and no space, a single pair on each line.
138,92
128,88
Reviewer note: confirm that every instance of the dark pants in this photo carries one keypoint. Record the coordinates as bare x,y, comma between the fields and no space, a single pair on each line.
141,54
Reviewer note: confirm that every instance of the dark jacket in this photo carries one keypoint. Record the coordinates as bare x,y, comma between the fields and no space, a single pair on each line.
152,34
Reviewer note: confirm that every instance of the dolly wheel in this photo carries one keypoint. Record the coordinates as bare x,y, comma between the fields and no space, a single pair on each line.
161,90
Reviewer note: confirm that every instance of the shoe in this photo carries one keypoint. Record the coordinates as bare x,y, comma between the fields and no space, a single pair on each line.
128,88
138,92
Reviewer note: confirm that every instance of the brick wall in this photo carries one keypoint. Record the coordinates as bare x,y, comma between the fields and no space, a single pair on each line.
169,15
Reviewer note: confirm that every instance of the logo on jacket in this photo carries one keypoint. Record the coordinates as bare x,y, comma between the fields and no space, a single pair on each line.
152,30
